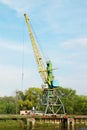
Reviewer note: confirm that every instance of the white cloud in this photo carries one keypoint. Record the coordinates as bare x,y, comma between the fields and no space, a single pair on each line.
76,43
19,6
76,82
11,79
29,6
10,45
22,6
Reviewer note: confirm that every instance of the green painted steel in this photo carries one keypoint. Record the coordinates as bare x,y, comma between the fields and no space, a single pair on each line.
49,74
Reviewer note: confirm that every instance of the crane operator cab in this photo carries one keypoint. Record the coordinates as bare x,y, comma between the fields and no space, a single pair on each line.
50,78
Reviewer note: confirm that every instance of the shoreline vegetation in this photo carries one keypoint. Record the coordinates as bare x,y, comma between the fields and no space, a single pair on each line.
11,124
33,98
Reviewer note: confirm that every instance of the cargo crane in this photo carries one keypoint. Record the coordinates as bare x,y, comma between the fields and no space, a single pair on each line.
52,100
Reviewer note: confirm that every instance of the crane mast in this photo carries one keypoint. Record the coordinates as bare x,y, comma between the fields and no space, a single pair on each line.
38,57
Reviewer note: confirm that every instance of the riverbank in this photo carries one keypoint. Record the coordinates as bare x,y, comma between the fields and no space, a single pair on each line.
12,124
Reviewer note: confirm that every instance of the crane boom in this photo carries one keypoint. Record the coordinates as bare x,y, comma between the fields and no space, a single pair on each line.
38,57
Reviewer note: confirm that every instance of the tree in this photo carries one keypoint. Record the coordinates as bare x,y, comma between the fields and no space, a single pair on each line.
7,105
30,99
73,103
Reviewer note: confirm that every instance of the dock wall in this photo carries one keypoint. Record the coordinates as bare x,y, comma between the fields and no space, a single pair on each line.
66,120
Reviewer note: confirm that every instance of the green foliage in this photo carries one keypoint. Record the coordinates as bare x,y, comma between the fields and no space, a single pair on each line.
7,105
68,98
30,99
73,103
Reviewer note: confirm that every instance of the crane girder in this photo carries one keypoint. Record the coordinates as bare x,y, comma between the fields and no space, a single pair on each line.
38,57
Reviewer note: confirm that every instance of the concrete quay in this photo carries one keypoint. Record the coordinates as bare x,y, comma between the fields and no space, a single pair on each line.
66,120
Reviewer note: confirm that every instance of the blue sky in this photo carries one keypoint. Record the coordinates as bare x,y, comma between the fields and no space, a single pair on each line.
60,28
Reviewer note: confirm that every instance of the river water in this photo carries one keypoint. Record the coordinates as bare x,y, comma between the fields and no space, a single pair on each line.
57,128
48,128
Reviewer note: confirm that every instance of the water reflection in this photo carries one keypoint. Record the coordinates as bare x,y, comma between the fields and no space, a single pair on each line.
56,128
50,128
72,128
67,128
82,128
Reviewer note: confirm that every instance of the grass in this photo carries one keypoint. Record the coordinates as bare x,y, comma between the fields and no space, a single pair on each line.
11,124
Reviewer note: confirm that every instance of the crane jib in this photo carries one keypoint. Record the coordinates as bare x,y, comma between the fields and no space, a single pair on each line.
45,72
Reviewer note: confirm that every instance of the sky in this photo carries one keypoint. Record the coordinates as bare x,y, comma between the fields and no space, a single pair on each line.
60,29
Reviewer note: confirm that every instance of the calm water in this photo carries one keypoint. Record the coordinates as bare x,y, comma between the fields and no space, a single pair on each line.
56,128
48,128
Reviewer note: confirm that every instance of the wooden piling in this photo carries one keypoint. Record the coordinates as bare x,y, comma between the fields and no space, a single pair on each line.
70,123
30,123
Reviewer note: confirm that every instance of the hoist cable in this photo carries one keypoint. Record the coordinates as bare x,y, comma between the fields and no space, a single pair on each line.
22,73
